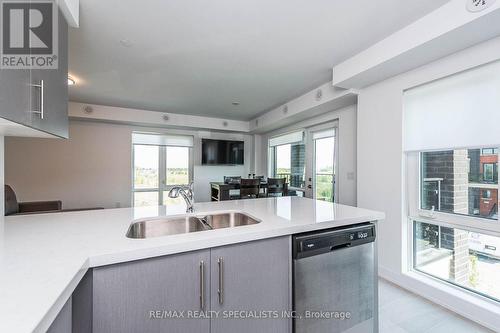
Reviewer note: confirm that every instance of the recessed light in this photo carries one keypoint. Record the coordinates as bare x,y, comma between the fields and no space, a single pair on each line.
71,81
235,103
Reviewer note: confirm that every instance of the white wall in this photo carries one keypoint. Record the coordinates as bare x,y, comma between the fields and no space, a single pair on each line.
203,174
93,167
346,145
380,166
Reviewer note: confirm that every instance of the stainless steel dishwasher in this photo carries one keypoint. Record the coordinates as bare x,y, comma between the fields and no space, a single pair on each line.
335,281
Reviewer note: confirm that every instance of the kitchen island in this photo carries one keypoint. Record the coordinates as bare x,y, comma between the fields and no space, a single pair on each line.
44,257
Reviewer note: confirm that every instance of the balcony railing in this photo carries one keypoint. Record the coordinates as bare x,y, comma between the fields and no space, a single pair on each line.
293,180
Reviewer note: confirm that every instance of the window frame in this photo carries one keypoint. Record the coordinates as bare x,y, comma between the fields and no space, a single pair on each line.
309,146
466,222
413,213
162,172
492,165
314,173
273,163
412,256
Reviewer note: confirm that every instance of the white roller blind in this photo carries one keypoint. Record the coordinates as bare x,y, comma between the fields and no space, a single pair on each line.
459,111
328,133
293,137
162,139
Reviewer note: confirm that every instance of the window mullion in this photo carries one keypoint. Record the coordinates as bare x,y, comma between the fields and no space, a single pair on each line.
162,168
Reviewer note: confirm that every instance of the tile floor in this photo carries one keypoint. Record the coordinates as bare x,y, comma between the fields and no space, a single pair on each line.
404,312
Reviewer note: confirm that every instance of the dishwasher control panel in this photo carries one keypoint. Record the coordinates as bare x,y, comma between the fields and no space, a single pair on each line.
305,245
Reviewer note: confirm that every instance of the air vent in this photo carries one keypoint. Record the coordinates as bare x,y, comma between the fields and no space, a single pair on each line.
479,5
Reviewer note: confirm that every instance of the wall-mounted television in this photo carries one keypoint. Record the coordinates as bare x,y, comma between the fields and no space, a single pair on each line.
222,152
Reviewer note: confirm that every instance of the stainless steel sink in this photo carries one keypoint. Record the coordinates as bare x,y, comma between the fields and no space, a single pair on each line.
155,227
228,220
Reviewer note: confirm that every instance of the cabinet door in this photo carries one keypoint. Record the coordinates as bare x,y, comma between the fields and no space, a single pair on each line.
62,323
255,277
55,90
132,297
82,305
15,95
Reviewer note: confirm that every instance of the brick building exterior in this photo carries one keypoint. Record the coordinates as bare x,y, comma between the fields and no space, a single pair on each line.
448,191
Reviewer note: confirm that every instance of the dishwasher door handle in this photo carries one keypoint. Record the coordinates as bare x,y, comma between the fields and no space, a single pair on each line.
340,246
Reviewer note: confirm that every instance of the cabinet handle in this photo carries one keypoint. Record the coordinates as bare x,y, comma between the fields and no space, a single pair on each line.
41,86
202,285
220,291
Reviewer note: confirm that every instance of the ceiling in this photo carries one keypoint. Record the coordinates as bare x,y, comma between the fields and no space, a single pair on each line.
198,57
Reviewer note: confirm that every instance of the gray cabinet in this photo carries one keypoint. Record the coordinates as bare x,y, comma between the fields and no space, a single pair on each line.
55,91
145,295
15,95
82,305
21,92
137,296
62,323
252,277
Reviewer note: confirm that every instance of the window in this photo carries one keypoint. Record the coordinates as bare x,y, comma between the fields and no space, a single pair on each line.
287,154
458,181
159,163
468,259
489,151
452,190
290,164
324,164
488,172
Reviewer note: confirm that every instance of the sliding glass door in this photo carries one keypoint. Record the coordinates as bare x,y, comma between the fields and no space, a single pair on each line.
307,159
321,162
324,175
287,160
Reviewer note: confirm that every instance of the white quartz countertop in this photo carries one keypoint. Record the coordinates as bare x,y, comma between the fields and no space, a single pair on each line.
43,257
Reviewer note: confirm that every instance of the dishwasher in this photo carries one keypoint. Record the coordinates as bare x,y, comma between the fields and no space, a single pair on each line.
335,281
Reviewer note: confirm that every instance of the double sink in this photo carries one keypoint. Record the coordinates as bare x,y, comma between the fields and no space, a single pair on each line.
155,227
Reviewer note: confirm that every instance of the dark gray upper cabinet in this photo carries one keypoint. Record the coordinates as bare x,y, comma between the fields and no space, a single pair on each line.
22,97
254,277
54,103
126,296
15,95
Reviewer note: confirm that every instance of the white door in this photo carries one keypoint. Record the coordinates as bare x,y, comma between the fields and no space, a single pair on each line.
321,158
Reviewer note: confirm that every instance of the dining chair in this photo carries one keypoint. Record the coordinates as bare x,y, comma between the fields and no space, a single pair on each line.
249,188
276,186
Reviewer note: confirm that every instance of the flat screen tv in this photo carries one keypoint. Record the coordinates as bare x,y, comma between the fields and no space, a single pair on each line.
221,152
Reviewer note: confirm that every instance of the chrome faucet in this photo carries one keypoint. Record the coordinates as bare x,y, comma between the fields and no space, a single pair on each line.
187,193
